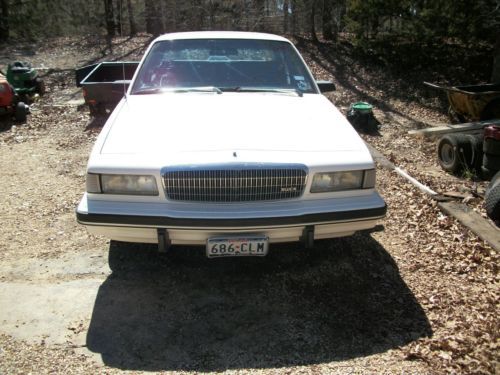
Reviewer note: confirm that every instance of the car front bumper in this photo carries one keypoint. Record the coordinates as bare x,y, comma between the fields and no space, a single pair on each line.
193,224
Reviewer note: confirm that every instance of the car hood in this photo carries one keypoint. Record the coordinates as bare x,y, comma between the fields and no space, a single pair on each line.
204,122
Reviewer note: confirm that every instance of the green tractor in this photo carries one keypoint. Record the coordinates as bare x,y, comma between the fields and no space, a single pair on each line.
24,79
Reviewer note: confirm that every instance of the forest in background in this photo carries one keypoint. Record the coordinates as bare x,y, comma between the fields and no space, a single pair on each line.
416,28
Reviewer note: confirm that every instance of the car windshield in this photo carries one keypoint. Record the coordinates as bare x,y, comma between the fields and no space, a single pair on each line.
220,65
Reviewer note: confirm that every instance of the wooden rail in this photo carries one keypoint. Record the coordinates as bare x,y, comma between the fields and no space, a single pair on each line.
436,131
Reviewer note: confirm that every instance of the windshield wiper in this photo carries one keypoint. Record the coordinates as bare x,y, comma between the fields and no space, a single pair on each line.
151,90
262,89
156,90
197,89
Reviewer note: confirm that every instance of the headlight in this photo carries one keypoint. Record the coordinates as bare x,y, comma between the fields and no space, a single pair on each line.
346,180
121,184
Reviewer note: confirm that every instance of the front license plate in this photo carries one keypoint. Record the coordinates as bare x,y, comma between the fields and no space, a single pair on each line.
237,246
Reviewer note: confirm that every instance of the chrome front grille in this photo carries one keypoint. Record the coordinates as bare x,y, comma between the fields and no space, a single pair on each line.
235,184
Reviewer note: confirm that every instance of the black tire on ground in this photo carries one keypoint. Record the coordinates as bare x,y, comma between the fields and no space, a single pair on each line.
492,199
491,162
40,86
21,112
476,141
491,146
491,111
454,152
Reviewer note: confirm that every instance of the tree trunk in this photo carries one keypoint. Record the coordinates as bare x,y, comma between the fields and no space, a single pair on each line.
4,20
327,20
196,19
285,16
495,75
162,22
131,19
153,24
294,16
259,11
119,15
340,14
211,14
314,37
110,19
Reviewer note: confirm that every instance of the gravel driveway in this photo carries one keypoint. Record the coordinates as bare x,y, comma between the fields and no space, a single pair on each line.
418,297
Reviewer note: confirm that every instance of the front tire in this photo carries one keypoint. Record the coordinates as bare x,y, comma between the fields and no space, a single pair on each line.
21,112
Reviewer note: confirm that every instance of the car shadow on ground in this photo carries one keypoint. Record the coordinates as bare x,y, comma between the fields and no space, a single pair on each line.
342,300
6,123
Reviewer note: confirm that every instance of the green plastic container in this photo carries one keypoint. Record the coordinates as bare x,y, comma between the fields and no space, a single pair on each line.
362,107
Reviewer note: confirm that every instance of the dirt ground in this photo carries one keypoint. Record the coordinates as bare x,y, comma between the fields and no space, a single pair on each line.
420,296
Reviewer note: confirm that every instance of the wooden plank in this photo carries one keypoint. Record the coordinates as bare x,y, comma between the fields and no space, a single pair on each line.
445,129
475,222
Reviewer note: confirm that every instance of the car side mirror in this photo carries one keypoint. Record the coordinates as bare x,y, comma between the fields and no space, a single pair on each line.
326,86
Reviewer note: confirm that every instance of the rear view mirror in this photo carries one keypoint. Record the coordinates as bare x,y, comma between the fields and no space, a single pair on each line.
326,86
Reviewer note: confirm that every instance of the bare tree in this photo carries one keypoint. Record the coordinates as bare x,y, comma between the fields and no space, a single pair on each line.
314,37
327,20
294,16
131,18
212,9
118,16
4,20
197,17
495,75
286,9
110,19
153,18
338,13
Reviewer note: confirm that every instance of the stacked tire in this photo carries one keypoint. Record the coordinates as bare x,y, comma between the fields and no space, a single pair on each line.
459,152
491,151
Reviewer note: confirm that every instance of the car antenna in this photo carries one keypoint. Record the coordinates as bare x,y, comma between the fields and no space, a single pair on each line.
123,62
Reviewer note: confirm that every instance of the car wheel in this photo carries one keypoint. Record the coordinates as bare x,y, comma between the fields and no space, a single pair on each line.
21,112
454,152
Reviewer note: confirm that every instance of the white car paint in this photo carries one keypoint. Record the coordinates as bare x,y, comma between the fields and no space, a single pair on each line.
146,133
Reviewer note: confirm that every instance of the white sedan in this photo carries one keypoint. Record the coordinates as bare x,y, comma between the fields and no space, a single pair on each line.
224,139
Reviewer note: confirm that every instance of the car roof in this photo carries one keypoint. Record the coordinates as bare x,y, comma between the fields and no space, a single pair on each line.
221,35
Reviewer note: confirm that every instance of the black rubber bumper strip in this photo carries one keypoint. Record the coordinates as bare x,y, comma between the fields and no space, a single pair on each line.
162,221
